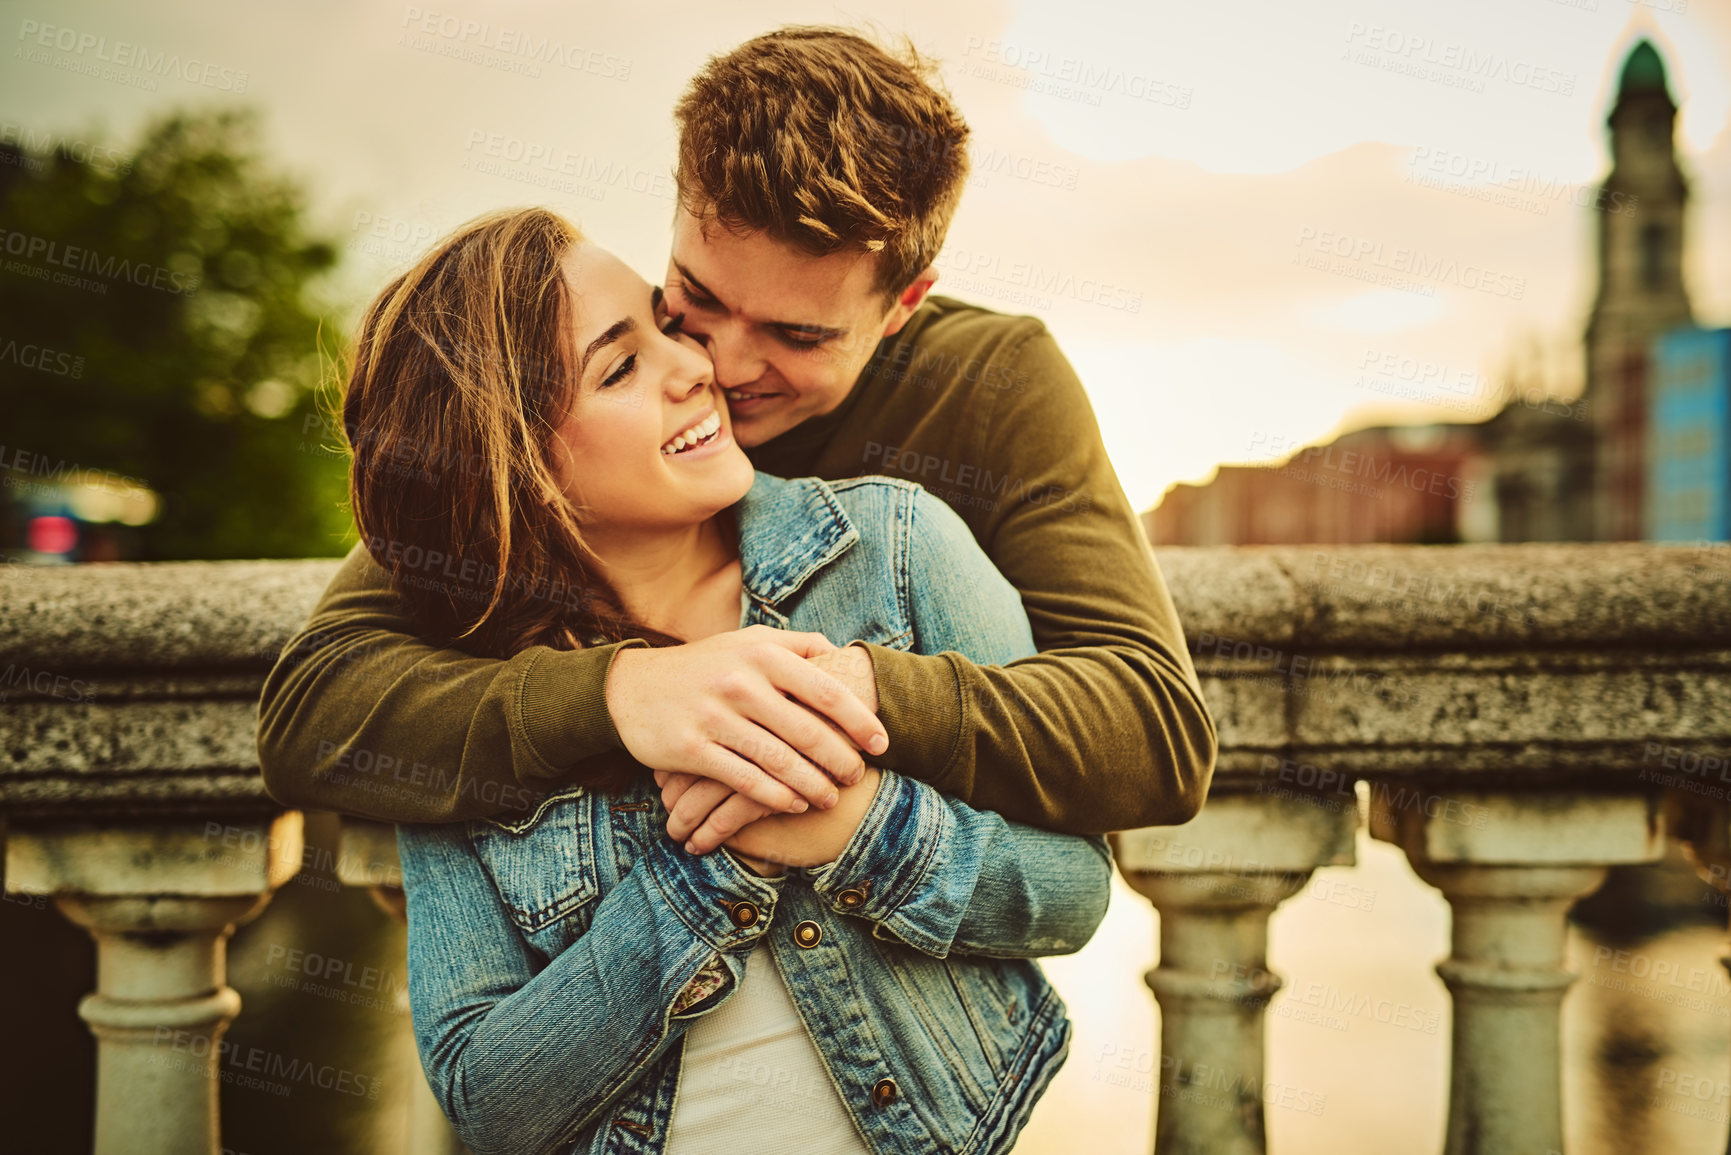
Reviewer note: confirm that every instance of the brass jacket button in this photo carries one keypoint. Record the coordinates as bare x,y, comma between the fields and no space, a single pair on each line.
808,934
851,897
884,1093
744,914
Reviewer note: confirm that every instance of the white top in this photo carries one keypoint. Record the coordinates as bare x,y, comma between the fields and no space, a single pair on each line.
752,1080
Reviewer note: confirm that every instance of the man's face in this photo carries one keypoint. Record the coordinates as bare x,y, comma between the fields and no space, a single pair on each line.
789,333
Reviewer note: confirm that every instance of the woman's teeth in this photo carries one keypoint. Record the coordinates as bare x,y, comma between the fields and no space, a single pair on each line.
696,435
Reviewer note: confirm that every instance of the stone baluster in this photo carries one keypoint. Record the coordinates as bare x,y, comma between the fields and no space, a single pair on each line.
1511,865
1703,825
160,899
367,856
1215,881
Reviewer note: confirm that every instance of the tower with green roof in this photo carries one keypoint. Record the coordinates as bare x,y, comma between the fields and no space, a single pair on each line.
1640,223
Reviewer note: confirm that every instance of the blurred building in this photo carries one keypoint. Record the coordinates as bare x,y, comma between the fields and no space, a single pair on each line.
1391,483
1540,469
1688,483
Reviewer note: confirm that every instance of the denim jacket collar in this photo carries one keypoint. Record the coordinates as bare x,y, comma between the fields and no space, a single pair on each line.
810,530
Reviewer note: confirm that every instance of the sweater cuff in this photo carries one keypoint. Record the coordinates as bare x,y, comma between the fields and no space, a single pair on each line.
920,704
562,707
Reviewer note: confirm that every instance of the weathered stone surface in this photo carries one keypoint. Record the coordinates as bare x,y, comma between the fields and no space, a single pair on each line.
1600,596
186,615
136,685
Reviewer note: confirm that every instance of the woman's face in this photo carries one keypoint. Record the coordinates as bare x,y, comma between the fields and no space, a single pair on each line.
643,392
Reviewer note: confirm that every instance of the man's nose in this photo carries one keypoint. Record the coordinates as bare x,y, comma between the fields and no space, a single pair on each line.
737,361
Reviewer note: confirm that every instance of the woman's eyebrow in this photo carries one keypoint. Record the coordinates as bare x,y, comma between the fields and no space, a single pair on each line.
613,332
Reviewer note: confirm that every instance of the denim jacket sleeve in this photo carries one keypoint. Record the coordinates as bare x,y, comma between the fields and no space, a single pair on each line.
945,878
931,870
481,995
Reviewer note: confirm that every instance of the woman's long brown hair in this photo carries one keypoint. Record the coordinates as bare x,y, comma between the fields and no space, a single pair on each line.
463,370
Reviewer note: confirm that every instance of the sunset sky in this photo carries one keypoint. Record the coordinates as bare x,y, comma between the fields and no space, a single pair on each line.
1165,184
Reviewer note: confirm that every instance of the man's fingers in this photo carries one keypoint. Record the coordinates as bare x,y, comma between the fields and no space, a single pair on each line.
687,812
812,736
747,776
765,748
834,701
804,645
733,815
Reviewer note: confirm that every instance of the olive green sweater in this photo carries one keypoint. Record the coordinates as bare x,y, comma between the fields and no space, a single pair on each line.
1104,729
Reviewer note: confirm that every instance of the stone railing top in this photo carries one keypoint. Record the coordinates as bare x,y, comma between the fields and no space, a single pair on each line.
1349,598
133,687
1346,598
195,615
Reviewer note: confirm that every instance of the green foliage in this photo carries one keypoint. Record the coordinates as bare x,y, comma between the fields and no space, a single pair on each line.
193,307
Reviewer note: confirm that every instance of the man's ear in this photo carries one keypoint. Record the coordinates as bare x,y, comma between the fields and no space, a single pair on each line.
909,300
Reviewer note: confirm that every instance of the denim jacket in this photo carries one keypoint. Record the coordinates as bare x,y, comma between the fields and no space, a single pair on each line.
556,961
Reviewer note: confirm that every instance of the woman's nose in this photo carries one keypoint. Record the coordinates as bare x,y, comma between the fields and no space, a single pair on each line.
691,372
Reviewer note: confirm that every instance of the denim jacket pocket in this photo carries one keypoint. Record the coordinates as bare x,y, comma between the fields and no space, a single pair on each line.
544,866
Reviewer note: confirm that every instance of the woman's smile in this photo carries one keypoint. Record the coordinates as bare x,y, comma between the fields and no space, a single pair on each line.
698,435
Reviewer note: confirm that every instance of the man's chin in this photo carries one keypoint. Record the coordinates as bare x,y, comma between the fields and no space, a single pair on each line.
752,431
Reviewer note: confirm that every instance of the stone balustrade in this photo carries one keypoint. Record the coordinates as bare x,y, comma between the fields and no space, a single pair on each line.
1511,717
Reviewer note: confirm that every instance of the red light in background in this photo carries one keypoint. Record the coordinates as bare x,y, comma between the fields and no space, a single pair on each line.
52,534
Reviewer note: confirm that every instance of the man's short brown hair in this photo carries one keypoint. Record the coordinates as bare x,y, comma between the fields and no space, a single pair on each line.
822,139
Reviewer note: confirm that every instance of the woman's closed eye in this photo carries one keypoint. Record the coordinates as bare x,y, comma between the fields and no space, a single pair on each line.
672,327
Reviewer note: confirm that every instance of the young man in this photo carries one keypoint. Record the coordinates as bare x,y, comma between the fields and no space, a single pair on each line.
817,175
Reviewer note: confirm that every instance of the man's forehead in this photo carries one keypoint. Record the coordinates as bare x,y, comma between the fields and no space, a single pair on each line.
763,276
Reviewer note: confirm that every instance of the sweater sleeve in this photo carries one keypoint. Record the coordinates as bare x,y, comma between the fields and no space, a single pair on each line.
1105,728
361,716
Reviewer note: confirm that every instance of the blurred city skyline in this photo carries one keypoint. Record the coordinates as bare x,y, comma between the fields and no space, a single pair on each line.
1226,213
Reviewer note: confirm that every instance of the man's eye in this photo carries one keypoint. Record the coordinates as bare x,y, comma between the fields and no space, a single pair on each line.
695,300
626,368
802,340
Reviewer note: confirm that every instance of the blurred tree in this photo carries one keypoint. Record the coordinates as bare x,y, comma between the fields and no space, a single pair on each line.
176,287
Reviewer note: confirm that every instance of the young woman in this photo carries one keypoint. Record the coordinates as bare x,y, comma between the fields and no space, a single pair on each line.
540,458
